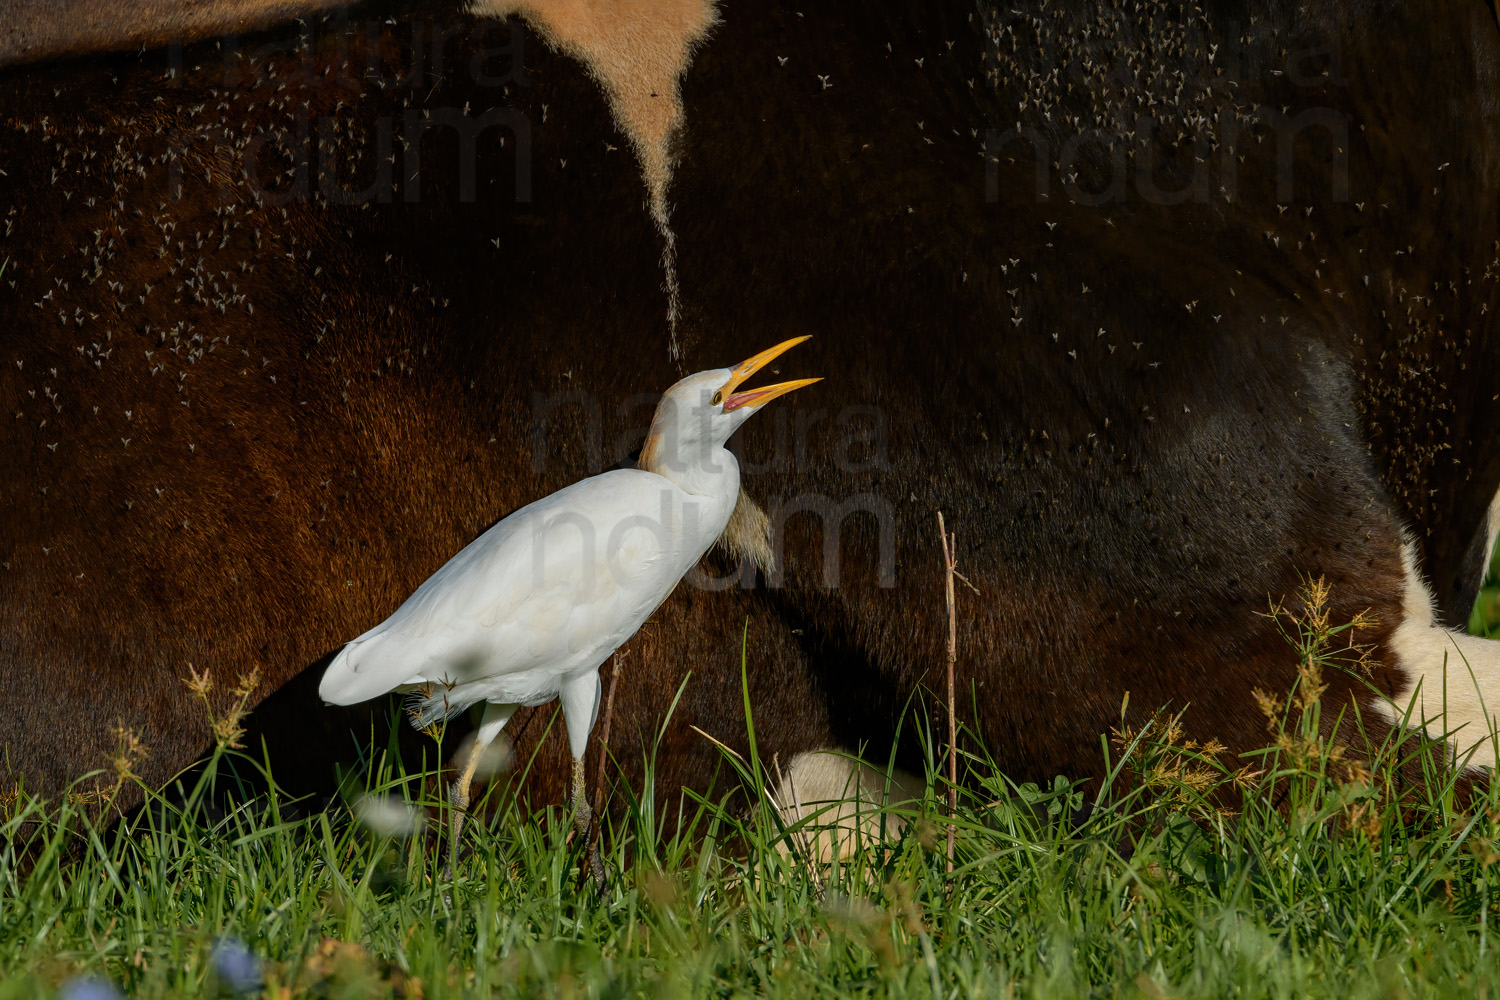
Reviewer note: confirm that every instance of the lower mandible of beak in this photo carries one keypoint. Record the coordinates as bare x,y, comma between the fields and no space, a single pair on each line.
760,397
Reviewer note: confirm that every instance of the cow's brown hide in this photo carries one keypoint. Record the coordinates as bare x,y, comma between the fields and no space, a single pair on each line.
46,29
1143,419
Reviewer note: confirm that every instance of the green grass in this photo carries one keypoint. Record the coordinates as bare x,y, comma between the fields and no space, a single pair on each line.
1304,871
1485,618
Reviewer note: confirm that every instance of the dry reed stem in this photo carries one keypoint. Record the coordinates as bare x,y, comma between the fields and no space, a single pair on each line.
949,557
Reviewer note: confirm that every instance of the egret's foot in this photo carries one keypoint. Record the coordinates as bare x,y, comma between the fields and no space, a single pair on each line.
585,830
596,864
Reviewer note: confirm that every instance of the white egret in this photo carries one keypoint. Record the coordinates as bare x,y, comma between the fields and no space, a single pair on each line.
532,608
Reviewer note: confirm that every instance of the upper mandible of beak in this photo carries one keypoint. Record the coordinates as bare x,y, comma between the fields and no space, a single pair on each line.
748,367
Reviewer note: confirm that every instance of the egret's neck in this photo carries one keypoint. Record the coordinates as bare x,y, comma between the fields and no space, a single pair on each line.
707,471
693,465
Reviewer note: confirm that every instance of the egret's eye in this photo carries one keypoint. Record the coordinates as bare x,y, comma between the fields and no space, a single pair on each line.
718,397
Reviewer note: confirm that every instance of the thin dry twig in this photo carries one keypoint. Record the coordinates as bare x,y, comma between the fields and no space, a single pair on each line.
950,544
609,710
722,746
771,798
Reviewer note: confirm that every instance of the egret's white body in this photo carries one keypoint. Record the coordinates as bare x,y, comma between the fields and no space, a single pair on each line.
531,609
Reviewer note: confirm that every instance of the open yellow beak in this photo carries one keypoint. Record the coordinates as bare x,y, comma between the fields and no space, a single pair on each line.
748,367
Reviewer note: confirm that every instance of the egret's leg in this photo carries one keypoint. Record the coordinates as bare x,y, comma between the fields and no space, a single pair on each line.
458,802
495,718
580,705
583,819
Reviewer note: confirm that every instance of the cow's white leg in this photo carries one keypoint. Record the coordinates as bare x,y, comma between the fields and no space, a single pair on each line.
1452,678
846,801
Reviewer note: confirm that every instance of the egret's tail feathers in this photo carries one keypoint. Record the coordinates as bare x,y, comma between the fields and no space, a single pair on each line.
430,704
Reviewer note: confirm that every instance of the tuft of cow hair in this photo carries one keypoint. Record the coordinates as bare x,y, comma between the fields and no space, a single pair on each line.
748,534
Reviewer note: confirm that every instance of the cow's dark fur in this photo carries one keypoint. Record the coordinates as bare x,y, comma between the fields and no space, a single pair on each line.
42,29
1142,419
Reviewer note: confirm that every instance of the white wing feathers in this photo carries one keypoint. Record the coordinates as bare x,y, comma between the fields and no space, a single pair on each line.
568,578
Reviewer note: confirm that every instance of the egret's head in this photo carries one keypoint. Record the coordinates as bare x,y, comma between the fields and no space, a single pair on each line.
700,413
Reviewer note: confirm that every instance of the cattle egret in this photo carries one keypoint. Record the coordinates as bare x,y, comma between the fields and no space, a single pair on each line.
531,609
